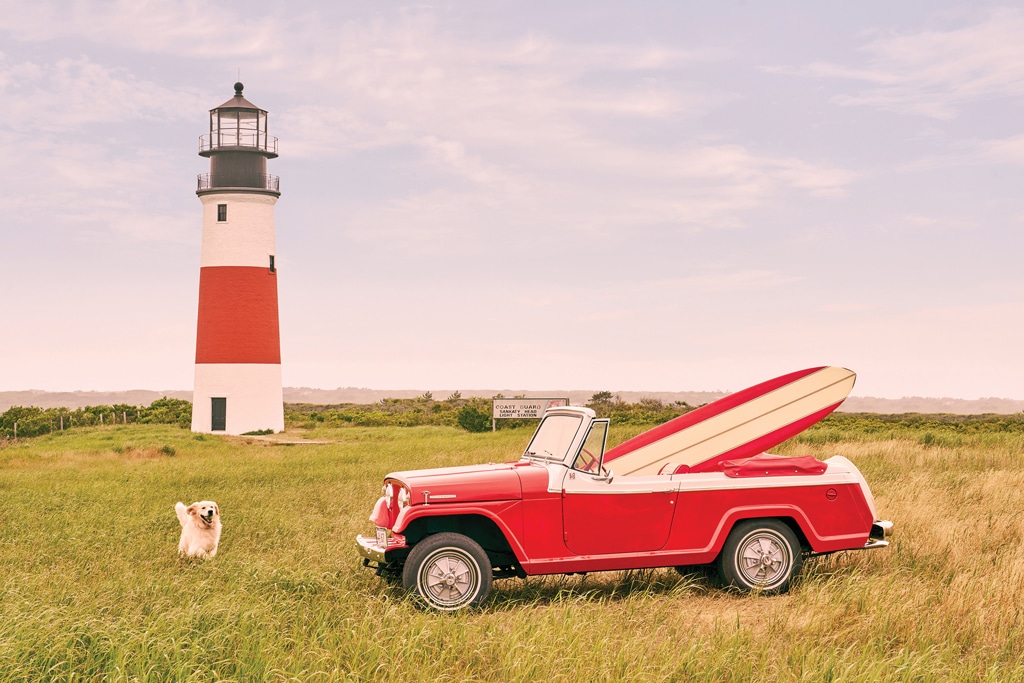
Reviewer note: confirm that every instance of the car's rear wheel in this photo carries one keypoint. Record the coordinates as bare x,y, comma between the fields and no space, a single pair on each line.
760,554
448,571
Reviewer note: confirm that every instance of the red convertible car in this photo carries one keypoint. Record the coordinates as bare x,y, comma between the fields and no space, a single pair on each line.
448,532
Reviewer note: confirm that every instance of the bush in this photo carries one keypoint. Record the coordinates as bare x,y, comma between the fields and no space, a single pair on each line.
35,421
168,411
31,421
474,420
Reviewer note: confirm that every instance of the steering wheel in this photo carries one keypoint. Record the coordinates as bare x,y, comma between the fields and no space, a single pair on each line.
586,461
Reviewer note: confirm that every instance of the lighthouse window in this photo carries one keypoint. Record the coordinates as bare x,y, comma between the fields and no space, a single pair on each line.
222,213
271,263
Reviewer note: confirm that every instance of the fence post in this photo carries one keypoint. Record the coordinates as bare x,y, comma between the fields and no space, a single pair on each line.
15,430
62,423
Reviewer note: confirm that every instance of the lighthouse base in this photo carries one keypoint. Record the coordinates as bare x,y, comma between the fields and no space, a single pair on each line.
235,398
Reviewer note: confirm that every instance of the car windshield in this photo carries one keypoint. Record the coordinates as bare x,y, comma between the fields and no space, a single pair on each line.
554,436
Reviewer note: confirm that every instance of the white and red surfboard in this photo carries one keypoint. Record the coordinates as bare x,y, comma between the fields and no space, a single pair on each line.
739,425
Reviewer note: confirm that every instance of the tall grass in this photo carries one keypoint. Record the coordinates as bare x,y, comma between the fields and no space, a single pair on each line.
92,588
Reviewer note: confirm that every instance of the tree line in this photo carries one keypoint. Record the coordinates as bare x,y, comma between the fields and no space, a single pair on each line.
28,421
471,414
474,415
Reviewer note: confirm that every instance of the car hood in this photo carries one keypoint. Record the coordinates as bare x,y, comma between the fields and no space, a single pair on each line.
461,484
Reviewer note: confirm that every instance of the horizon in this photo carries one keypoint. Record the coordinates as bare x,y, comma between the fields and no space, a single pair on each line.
443,393
584,194
366,396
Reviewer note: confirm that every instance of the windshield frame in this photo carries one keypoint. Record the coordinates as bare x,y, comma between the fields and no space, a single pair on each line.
554,437
603,424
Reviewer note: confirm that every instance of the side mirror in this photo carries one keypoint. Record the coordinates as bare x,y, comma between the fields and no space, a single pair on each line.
606,476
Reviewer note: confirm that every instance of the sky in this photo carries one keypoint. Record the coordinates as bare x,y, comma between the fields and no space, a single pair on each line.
643,196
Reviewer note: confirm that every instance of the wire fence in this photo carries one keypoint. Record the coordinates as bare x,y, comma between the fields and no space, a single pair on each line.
30,421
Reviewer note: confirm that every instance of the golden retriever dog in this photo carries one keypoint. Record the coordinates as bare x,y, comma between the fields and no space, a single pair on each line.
200,528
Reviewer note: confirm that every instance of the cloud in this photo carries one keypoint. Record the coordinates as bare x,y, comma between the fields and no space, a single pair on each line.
1007,150
593,188
525,134
933,72
515,134
200,29
69,94
89,191
90,143
412,82
517,114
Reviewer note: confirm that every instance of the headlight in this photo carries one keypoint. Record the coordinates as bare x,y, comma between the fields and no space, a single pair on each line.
389,493
403,497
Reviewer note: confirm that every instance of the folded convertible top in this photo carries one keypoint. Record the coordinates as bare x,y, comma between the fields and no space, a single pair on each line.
768,465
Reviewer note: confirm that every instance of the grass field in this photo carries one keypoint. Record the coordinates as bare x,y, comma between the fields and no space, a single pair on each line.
92,588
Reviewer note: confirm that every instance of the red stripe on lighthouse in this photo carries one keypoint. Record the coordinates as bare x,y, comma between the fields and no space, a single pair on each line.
238,316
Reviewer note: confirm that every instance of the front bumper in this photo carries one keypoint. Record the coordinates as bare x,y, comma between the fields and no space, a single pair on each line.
395,550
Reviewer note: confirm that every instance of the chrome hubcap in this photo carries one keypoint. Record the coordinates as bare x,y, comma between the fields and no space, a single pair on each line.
764,560
449,579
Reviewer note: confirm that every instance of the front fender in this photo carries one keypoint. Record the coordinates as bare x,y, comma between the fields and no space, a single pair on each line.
507,516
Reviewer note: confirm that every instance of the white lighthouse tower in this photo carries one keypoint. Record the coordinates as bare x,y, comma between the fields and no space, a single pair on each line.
238,342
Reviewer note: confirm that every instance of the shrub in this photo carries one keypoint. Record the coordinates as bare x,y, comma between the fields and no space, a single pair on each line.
31,421
35,421
474,420
168,411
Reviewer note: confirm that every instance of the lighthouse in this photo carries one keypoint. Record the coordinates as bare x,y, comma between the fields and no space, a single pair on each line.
238,342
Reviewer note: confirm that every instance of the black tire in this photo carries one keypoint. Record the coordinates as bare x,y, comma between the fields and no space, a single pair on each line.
448,571
760,555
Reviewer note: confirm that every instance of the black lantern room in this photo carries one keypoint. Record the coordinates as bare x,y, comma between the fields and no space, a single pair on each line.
238,147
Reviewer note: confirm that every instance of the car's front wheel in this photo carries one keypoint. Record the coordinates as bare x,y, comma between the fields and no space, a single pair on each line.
760,554
448,571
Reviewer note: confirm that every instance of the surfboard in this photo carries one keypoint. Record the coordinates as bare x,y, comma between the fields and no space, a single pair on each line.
739,425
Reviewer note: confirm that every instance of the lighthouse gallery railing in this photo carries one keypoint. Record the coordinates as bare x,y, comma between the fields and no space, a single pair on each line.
259,181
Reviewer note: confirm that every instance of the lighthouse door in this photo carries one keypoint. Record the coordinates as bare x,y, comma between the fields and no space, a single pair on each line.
219,414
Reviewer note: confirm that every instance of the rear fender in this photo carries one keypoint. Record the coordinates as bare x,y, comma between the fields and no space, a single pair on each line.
792,516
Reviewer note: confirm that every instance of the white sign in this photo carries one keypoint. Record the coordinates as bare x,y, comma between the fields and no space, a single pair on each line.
524,408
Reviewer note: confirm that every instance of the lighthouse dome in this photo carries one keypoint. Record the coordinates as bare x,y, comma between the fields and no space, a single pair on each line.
238,124
238,145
